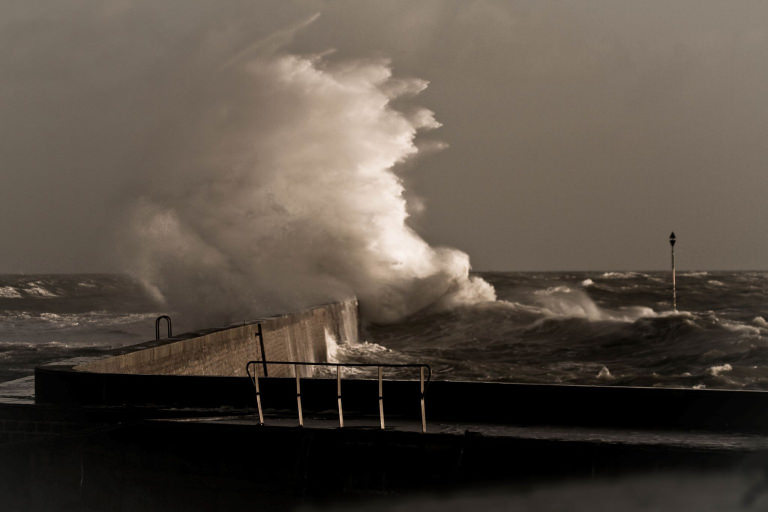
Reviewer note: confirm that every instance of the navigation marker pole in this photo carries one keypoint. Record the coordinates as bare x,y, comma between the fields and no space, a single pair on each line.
672,241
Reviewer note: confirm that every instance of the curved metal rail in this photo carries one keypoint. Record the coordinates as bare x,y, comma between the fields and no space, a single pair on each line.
423,385
157,326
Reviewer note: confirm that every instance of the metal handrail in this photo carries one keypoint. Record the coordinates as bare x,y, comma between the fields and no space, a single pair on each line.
423,385
157,326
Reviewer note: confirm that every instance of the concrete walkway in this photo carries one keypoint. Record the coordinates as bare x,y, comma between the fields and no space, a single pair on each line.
695,440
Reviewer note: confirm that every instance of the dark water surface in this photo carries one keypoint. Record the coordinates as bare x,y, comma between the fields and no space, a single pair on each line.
45,318
612,328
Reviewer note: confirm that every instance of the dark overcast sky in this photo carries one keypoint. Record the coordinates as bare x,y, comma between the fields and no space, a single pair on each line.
580,133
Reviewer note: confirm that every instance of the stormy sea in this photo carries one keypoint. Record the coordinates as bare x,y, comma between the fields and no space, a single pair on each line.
606,328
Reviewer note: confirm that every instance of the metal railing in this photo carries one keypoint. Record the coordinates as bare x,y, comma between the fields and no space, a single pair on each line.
423,384
157,326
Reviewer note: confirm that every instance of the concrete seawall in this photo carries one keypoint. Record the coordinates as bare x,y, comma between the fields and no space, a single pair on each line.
301,336
207,369
173,424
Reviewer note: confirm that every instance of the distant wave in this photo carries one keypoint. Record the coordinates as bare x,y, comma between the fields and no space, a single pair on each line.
37,289
31,289
89,320
621,275
16,345
9,292
742,328
715,371
562,301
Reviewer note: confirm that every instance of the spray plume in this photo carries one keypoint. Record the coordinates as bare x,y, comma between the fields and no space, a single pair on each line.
279,191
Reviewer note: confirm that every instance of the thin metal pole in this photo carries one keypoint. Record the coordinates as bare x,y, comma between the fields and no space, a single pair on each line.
423,412
298,394
258,393
260,334
674,284
381,399
338,396
672,240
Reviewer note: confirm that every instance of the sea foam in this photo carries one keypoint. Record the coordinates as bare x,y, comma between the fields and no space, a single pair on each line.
715,371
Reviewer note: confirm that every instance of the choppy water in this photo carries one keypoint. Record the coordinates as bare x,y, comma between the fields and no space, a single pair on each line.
44,318
614,328
557,327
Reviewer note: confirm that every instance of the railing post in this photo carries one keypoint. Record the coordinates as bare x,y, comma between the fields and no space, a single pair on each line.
260,334
381,399
258,393
338,396
380,381
423,412
298,394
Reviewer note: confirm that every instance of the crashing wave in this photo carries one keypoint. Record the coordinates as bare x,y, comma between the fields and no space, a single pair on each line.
287,194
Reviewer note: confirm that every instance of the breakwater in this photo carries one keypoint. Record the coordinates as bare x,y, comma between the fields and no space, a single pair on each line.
172,423
300,336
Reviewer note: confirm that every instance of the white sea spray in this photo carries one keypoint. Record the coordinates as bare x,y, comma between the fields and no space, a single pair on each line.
286,193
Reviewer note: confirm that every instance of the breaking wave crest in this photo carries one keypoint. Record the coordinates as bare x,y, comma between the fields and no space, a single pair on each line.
286,193
563,301
9,292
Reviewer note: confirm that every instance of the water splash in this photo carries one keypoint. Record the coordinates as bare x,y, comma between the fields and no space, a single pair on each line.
286,195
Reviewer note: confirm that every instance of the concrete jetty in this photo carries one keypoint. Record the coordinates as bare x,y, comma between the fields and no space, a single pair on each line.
172,423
